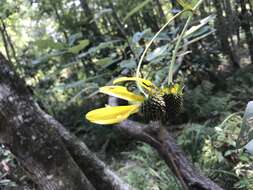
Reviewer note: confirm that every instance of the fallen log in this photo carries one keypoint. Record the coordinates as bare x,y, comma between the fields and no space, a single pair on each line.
159,138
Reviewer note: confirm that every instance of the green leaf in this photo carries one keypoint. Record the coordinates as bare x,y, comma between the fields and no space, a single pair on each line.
76,49
104,61
186,5
244,158
157,53
130,64
251,2
136,9
139,35
48,43
74,37
101,13
192,31
95,49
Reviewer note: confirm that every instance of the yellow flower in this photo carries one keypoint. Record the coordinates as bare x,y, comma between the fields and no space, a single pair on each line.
116,114
111,114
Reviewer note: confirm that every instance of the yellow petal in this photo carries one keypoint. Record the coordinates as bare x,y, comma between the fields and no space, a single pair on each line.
111,114
147,84
121,92
173,89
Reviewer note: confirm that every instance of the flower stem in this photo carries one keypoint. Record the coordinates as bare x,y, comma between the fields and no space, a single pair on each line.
146,49
197,5
174,56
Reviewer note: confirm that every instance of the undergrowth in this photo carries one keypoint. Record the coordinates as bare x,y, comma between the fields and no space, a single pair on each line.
143,169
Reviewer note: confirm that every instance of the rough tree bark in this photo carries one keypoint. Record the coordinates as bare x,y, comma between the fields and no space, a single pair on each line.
37,140
31,138
95,169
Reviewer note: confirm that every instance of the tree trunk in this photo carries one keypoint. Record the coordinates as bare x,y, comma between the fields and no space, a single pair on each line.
202,11
245,23
31,138
5,42
9,41
37,141
160,10
89,16
119,24
59,19
150,20
223,35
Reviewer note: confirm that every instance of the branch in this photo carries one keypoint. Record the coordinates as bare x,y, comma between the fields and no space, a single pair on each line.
160,139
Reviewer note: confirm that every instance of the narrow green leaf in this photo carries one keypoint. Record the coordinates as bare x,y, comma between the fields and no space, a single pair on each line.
77,48
203,22
136,9
48,43
186,5
104,61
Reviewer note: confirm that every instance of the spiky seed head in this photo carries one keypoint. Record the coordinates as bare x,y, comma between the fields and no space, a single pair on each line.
174,104
173,98
153,108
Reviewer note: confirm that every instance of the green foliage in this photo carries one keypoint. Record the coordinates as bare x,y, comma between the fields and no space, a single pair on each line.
77,48
203,102
48,43
136,9
187,4
65,55
200,29
7,163
145,170
214,150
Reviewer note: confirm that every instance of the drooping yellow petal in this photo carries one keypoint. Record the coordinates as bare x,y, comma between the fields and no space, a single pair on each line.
121,92
147,84
111,114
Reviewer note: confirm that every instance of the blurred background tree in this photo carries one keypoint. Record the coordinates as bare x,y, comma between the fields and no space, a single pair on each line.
66,49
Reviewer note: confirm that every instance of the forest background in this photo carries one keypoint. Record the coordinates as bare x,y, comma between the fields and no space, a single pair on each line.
66,49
